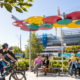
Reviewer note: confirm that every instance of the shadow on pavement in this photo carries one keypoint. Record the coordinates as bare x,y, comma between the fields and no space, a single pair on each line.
53,75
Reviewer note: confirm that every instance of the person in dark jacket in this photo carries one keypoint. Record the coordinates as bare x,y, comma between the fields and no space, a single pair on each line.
9,52
45,65
78,66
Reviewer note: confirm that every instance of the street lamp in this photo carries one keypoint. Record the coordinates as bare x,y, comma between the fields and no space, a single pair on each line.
73,49
18,40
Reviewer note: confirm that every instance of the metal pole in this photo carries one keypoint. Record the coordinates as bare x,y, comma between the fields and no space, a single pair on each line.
18,40
62,48
30,51
20,43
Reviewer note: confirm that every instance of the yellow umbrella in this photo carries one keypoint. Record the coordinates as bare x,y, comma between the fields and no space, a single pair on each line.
58,25
35,20
73,25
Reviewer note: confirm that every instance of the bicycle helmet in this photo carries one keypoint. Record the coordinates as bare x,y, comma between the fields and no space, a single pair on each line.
11,47
5,45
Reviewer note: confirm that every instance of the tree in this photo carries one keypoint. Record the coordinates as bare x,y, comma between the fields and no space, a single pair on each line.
16,49
35,47
23,54
19,5
72,49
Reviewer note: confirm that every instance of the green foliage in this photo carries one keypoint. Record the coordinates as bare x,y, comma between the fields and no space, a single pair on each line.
19,5
35,47
59,64
8,7
24,64
16,49
58,58
18,9
65,63
72,49
18,57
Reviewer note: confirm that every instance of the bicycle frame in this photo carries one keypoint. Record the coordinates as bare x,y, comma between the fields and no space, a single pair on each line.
9,67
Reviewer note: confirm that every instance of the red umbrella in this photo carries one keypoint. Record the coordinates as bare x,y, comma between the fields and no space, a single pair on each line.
20,23
41,28
73,15
51,19
28,29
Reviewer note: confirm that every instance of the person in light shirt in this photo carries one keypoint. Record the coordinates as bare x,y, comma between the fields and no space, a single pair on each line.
73,65
37,63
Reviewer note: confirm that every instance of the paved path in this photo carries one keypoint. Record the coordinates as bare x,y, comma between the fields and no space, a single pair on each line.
32,76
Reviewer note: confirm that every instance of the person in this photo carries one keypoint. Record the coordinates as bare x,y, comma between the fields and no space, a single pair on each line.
2,53
45,65
78,66
72,65
37,63
7,58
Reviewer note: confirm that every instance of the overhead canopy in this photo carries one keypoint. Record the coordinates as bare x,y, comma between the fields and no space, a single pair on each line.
41,28
46,25
71,20
51,19
20,23
73,15
58,25
27,29
73,25
33,26
35,20
64,21
77,22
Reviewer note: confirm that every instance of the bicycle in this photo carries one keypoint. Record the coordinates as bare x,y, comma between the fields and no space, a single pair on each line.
14,74
17,68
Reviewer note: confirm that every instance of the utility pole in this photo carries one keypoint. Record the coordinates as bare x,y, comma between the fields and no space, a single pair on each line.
20,43
30,51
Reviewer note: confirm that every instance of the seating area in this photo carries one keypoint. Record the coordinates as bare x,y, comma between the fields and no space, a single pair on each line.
50,70
40,70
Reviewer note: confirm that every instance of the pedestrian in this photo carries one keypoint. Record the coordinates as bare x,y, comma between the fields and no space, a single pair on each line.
73,65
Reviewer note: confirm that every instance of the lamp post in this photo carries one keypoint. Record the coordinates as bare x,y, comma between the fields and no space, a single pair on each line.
30,51
62,48
19,39
73,49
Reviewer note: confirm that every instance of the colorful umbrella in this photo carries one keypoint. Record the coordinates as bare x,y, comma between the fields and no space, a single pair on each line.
20,23
73,15
51,19
27,29
35,20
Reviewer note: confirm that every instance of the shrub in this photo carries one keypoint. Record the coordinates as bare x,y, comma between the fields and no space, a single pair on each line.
58,58
24,64
59,62
18,57
65,63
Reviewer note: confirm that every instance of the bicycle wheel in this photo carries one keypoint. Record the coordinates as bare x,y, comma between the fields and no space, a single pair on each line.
17,76
19,68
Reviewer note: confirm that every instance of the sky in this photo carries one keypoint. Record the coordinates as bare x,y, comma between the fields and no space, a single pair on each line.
8,32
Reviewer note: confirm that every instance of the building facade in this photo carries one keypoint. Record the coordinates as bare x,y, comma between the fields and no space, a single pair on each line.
52,43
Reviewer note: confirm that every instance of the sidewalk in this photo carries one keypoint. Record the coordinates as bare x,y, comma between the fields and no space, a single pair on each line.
32,76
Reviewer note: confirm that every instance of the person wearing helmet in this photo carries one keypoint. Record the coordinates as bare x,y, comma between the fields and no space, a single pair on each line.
3,52
10,53
8,58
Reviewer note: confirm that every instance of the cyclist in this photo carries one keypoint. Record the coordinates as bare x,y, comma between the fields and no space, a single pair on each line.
7,58
2,53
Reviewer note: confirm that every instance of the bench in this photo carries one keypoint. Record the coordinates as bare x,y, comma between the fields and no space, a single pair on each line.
50,69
